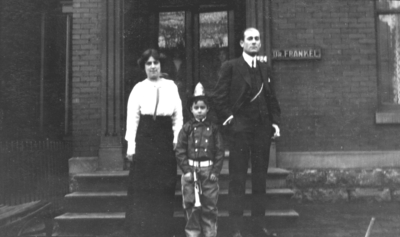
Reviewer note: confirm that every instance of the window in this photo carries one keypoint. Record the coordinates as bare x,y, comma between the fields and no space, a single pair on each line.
388,32
213,29
171,29
194,44
213,46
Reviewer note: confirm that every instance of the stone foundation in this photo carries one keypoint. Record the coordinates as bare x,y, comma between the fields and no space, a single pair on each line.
345,185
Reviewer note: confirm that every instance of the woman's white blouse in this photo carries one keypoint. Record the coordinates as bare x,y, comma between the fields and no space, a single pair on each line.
142,101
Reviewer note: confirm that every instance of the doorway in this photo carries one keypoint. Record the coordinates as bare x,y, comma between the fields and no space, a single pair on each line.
194,48
195,42
194,37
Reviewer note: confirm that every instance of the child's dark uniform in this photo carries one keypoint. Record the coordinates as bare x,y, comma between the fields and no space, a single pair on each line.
200,147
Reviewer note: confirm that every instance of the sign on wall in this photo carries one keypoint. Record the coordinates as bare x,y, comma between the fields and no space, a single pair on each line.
296,54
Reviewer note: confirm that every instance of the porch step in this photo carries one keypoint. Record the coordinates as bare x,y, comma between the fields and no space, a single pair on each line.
247,213
81,202
105,223
101,181
98,201
81,224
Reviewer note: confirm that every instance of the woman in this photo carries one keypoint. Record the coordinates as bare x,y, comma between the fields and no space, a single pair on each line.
154,119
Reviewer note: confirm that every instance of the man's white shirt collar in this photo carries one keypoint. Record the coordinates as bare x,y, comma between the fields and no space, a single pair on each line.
249,59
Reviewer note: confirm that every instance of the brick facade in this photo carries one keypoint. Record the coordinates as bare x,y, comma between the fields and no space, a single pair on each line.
32,74
19,64
86,74
329,104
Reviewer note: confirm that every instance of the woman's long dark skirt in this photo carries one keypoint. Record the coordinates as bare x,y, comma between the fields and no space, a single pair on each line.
152,179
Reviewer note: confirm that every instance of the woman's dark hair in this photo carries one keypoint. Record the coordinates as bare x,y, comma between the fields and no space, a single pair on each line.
146,55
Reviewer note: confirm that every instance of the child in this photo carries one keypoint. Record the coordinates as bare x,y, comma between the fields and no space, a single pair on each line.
199,153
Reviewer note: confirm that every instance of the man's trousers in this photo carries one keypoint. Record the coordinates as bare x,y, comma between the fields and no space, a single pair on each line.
249,144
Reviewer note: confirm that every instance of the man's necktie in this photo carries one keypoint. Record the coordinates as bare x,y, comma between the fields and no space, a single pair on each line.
155,110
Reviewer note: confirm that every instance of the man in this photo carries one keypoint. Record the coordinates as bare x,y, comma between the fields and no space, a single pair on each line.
245,102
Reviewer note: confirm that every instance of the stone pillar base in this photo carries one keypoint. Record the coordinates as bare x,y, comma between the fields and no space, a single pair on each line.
110,154
82,164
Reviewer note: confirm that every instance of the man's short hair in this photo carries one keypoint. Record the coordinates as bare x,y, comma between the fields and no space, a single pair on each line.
244,31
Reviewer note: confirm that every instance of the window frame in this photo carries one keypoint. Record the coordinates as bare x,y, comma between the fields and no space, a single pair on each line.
386,113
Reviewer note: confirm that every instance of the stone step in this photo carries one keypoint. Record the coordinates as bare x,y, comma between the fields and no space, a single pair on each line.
117,180
247,213
117,201
72,224
81,224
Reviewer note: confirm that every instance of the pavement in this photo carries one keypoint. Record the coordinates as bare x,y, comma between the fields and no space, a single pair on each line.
342,220
331,220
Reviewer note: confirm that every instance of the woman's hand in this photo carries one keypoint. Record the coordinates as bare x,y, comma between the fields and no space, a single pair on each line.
129,157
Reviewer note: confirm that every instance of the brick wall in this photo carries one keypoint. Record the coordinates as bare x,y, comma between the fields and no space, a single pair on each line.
329,104
21,31
19,69
86,62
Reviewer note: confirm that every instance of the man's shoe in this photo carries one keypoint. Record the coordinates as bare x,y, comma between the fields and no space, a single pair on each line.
237,234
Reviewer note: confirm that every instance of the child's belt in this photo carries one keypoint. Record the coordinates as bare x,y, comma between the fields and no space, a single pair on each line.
204,163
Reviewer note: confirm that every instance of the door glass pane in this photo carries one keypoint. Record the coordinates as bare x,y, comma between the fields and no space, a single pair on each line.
171,43
213,46
172,29
388,4
389,58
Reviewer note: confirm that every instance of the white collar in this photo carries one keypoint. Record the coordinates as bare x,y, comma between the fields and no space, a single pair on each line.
204,119
249,59
156,84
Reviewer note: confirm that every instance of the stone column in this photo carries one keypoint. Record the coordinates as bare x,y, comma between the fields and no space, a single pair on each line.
111,152
258,15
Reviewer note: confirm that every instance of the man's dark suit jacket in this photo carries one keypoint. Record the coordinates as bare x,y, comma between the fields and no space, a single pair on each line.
233,86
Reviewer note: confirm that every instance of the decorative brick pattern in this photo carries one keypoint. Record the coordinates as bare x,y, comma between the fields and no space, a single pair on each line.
86,73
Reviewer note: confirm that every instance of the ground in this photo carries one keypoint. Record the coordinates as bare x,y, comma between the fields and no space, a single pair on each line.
342,220
333,220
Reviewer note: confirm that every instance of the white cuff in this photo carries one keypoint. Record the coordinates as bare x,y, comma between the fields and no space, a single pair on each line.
226,121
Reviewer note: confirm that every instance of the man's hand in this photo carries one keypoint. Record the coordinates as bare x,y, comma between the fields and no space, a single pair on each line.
174,146
213,177
228,120
277,131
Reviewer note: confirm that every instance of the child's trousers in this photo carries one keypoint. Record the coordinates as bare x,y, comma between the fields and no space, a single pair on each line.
200,220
